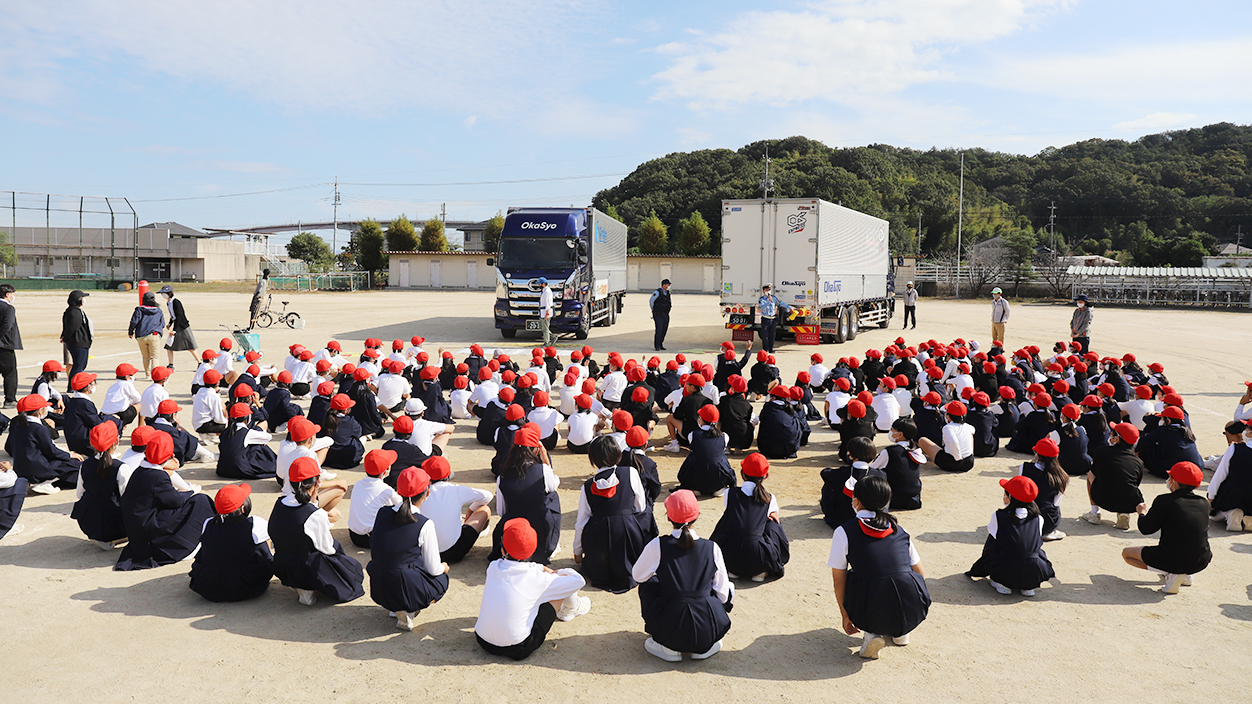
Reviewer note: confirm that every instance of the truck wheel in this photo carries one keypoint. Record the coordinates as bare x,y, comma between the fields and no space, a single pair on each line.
508,333
891,309
584,326
841,330
854,322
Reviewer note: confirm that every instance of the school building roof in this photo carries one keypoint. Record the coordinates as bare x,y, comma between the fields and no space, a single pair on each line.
1176,272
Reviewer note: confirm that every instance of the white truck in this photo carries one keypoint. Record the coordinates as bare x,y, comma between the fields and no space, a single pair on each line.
829,263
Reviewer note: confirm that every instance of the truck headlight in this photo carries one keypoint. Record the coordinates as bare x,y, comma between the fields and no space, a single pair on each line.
502,291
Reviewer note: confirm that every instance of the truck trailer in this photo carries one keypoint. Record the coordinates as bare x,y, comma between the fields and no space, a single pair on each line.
831,264
582,254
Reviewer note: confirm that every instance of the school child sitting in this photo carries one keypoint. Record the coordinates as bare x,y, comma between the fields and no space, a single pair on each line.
685,416
208,411
279,408
1230,489
12,496
983,421
902,463
343,429
208,357
636,456
1034,425
303,441
81,415
407,454
928,415
1116,472
778,434
1094,422
885,404
685,592
243,450
522,599
46,467
234,562
406,574
163,524
99,506
750,532
1169,443
1133,411
306,557
706,469
186,447
855,425
492,416
369,495
838,482
1051,481
1072,439
957,452
122,400
1013,556
1182,517
460,513
880,585
737,418
583,425
526,488
514,418
614,519
458,399
43,386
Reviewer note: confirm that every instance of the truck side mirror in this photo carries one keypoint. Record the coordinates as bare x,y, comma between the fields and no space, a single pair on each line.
582,257
491,262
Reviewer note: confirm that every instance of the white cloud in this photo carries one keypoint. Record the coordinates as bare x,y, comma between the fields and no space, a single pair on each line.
1157,121
837,50
471,120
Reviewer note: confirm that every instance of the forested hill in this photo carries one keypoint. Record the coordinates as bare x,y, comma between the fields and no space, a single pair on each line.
1166,198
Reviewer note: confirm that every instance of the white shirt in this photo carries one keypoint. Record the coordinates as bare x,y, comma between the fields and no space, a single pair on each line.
542,373
584,508
120,396
424,432
837,399
260,529
445,507
303,373
1135,410
958,440
993,526
880,462
1243,412
547,419
512,594
151,399
290,362
316,526
225,363
650,559
369,495
582,427
904,401
839,547
817,374
545,302
674,398
747,488
255,436
459,400
130,461
582,374
207,407
49,394
392,388
198,378
887,408
612,386
8,478
960,382
485,393
550,481
289,452
567,404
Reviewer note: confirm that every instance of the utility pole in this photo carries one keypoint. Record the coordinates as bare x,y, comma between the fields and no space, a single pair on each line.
919,235
767,183
443,212
1052,228
960,218
334,238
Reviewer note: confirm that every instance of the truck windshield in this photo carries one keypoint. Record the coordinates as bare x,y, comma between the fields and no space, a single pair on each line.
534,252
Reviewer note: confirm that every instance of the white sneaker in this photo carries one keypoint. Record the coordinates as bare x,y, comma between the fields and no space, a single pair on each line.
732,575
1028,592
708,653
1092,517
1172,582
1054,535
569,614
760,577
1123,521
1234,520
404,620
45,488
327,476
720,492
871,644
308,597
195,488
1186,580
672,447
1212,461
208,439
1247,522
661,651
901,640
1000,587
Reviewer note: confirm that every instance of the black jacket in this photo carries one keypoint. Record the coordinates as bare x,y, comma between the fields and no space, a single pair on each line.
10,336
180,321
75,331
1183,518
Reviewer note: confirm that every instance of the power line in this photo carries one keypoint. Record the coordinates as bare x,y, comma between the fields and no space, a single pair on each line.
233,195
488,183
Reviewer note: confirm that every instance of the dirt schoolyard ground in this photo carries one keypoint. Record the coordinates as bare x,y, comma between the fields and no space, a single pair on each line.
1100,631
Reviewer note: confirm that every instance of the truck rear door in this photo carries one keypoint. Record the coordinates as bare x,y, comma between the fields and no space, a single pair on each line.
795,260
747,250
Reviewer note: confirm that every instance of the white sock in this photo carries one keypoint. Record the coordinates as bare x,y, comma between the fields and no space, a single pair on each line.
571,602
179,483
1095,510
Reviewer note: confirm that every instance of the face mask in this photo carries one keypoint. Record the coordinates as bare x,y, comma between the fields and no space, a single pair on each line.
1082,305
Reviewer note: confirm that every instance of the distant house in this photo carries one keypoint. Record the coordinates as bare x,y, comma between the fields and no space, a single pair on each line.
1232,255
474,241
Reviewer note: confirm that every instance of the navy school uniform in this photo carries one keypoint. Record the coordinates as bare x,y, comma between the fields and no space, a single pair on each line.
641,412
1112,412
237,459
251,381
503,443
751,543
727,368
185,444
884,595
447,374
1031,428
407,455
346,384
11,500
1182,518
162,523
1074,458
99,511
706,470
1096,427
234,562
852,428
1006,419
798,412
398,580
529,498
680,609
1013,555
903,468
1235,491
476,362
279,408
665,384
1049,498
317,409
760,376
347,451
648,473
1164,447
986,444
1121,389
1116,474
35,458
431,394
929,422
300,565
491,419
778,435
615,534
735,418
81,415
810,410
836,501
366,411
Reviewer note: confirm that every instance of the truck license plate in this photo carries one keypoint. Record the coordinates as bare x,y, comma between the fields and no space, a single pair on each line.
532,325
740,319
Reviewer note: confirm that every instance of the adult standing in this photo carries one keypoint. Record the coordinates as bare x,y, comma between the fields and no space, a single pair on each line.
1080,324
999,314
545,311
769,307
660,304
10,343
76,332
182,339
146,324
910,305
258,297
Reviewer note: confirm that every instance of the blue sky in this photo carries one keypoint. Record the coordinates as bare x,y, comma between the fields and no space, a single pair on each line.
175,105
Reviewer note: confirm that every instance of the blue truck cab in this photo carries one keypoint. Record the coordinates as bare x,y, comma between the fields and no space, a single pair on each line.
582,254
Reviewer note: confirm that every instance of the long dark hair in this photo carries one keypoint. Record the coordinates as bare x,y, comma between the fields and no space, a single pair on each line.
239,515
330,423
1186,432
604,452
1055,475
874,493
908,428
760,495
686,541
233,427
1032,508
303,491
520,457
404,515
1069,428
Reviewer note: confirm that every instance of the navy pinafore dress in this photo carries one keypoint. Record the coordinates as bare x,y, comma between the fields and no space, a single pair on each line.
680,610
231,565
1015,556
528,498
884,595
615,535
706,470
300,565
397,580
750,542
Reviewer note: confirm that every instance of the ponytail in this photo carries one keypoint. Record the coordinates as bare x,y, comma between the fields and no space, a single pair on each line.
760,495
330,423
1068,429
303,491
404,515
874,493
686,541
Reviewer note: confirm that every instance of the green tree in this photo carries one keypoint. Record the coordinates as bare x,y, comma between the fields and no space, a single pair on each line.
1019,252
653,235
491,233
8,256
433,239
693,235
368,242
611,211
312,250
401,235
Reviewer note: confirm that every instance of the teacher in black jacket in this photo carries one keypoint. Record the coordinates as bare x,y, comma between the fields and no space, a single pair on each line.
76,333
1182,516
182,339
10,343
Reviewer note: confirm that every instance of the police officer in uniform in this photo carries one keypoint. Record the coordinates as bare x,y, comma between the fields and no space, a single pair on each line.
769,307
910,305
660,303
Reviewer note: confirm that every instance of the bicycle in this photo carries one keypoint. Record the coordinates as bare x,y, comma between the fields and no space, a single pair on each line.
267,318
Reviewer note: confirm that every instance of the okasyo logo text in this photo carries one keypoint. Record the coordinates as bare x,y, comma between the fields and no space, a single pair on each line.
796,222
832,286
542,226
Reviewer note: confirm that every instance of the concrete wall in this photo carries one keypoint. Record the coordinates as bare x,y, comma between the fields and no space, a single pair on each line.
50,251
455,269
